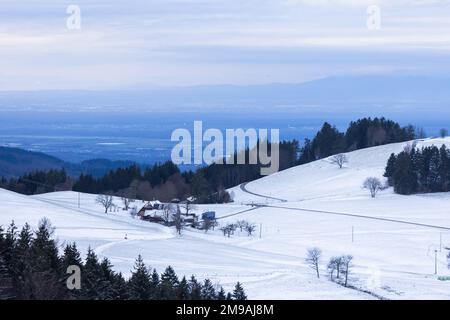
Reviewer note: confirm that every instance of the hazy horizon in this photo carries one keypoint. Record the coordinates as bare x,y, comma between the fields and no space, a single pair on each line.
170,43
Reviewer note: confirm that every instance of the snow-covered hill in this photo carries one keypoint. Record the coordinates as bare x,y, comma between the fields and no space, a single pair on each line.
324,180
393,238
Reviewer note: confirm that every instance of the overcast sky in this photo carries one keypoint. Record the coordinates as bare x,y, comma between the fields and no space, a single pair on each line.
146,43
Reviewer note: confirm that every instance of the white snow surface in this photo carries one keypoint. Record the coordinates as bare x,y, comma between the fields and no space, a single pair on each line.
394,239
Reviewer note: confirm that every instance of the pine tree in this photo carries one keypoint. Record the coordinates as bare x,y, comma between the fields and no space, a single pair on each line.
238,292
169,284
107,277
390,168
44,250
140,286
221,295
20,263
208,291
405,180
71,257
119,288
6,282
90,277
155,282
444,169
195,289
44,279
183,290
433,179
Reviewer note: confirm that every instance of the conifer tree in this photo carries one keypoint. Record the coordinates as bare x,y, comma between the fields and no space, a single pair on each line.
183,290
221,295
140,286
195,289
71,257
6,282
119,288
169,284
91,276
239,293
155,284
390,168
208,291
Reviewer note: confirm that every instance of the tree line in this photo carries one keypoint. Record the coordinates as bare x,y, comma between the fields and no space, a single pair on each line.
31,268
425,170
360,134
208,184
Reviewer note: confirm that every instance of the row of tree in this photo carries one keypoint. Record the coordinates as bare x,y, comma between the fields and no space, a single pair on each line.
363,133
339,268
419,170
31,268
38,182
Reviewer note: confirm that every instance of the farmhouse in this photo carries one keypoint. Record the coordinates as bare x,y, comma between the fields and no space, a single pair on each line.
165,213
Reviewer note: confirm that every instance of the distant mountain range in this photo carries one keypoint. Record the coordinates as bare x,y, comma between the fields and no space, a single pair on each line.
16,162
346,93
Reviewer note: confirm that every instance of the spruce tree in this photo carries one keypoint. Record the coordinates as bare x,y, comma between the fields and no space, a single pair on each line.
139,285
195,289
20,264
106,281
239,293
119,288
91,276
169,284
221,295
405,180
6,282
183,290
433,180
444,169
390,168
155,284
208,291
45,279
71,257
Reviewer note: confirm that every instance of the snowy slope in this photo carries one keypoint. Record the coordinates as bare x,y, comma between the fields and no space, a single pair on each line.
323,179
192,253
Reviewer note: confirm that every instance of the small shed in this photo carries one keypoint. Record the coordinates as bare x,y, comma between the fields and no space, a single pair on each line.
209,215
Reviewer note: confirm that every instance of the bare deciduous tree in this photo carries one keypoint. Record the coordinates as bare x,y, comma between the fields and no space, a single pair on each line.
209,224
127,196
346,267
339,159
241,224
313,259
189,206
335,264
250,228
178,221
133,212
373,185
228,230
166,215
106,201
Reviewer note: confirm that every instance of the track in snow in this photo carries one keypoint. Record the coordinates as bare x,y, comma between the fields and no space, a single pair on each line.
244,188
362,217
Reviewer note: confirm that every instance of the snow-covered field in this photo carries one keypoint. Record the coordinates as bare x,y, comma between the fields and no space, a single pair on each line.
393,238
